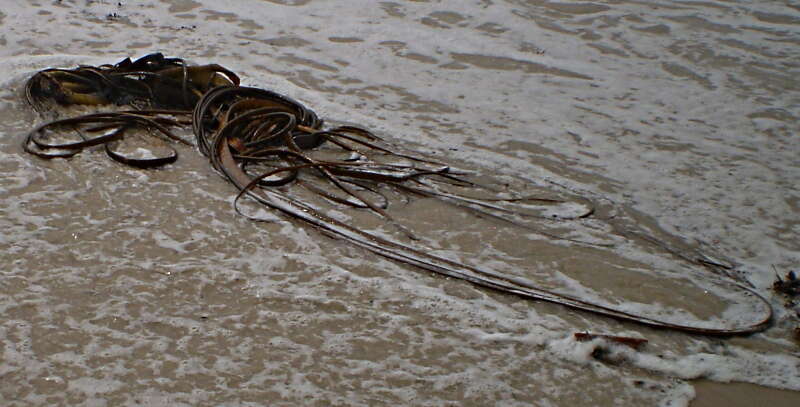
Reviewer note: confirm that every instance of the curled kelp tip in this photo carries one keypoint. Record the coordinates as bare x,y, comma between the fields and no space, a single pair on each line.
270,146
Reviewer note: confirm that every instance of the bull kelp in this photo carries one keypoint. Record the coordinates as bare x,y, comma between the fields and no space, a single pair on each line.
277,153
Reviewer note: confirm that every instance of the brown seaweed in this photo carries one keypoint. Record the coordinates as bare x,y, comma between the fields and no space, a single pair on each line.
241,129
153,80
789,285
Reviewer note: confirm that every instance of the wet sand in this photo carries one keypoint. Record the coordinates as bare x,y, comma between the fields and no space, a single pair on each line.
128,287
710,394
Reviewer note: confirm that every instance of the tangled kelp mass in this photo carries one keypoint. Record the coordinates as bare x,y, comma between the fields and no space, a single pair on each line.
152,81
264,142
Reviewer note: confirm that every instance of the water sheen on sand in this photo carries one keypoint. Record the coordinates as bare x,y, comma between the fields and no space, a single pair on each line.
128,287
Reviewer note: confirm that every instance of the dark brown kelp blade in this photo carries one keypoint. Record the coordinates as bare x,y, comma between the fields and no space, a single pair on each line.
153,81
104,129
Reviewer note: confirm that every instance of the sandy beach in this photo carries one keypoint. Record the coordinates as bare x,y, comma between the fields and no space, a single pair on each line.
676,122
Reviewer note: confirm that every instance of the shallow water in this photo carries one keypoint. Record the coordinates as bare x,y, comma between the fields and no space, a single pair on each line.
122,286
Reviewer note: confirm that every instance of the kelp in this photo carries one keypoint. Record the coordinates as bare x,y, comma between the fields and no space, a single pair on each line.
163,90
788,286
263,142
106,129
153,80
